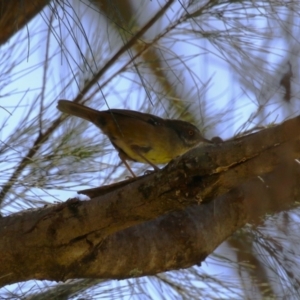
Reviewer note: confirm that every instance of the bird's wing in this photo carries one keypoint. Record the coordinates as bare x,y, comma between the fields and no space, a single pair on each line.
148,118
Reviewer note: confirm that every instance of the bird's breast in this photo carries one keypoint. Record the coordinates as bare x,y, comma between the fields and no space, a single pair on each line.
157,150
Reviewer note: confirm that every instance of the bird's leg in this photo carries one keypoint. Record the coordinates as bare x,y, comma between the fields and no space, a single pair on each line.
126,164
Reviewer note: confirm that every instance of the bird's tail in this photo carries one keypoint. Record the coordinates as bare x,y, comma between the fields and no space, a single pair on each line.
77,110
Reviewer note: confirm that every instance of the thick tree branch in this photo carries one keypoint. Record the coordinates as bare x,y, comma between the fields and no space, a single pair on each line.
14,14
83,239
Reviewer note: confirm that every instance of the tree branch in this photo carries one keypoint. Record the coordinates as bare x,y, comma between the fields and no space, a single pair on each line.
14,14
157,221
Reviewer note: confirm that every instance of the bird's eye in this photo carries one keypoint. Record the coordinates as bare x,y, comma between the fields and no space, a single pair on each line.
153,122
191,132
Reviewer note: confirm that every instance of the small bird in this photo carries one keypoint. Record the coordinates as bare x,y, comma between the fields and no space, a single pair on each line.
139,136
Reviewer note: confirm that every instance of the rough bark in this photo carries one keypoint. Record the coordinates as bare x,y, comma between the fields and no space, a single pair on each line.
167,220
